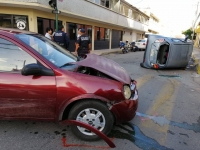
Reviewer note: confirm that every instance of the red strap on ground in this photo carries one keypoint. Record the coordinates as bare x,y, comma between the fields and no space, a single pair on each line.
94,130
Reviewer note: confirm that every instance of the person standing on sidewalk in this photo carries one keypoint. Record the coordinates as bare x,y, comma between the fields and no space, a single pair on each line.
83,45
48,33
61,38
79,34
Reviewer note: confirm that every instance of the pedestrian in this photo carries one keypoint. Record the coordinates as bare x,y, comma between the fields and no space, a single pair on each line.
61,38
53,33
48,33
79,34
83,45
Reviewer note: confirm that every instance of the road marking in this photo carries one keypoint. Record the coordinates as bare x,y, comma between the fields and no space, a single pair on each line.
142,80
162,105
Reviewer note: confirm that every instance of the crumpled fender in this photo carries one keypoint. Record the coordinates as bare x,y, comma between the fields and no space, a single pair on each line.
89,127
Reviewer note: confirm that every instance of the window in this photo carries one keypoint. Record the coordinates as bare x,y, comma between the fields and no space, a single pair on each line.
96,1
136,15
114,5
103,2
107,3
130,13
102,34
44,23
6,21
12,57
126,10
122,10
72,30
20,22
14,21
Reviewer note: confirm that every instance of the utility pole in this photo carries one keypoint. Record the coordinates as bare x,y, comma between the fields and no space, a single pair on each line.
56,9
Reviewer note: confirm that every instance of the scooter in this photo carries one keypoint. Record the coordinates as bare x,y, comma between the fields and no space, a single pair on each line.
124,47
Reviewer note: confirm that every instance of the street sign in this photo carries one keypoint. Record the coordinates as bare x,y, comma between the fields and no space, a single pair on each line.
56,11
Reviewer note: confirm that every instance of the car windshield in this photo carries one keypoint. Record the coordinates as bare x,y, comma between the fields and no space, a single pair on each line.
50,50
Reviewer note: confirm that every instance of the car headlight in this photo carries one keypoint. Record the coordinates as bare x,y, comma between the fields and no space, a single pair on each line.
127,92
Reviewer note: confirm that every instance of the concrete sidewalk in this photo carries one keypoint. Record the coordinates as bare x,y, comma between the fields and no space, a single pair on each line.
106,51
196,57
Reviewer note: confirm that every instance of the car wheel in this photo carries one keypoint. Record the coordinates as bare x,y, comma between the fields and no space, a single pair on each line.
94,113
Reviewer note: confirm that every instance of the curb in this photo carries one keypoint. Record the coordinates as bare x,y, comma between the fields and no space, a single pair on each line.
109,52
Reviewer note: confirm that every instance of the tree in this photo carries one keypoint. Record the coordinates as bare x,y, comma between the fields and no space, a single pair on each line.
189,33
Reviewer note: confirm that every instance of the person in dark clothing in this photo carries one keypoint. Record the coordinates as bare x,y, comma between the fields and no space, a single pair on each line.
83,45
61,38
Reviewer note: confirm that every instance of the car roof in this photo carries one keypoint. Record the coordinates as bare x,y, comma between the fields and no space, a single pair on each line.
142,39
14,31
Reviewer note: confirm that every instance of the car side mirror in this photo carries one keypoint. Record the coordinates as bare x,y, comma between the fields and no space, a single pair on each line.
31,69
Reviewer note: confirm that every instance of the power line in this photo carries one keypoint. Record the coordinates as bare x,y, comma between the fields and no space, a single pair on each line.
138,2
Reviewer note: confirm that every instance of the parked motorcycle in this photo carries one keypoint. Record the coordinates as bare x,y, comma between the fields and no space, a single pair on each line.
132,47
124,47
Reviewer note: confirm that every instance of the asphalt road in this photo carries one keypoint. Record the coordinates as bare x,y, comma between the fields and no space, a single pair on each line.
168,116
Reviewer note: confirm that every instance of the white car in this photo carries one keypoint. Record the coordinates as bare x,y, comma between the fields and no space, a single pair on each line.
141,44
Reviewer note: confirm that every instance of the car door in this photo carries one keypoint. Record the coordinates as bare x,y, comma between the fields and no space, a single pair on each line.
23,96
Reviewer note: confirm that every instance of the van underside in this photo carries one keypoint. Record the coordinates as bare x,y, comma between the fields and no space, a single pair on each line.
163,54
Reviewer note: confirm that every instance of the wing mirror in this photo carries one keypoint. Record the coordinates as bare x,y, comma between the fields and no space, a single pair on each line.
31,69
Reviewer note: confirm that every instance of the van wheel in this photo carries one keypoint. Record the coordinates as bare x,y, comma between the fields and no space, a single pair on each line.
94,113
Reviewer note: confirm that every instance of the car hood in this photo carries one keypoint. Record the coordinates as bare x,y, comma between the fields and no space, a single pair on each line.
106,66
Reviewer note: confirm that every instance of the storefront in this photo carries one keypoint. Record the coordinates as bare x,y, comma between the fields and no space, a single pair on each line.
103,36
116,22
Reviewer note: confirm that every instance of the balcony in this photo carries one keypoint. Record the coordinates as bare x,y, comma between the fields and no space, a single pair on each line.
96,10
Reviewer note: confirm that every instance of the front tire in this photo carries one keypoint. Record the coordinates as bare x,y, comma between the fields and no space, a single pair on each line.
94,113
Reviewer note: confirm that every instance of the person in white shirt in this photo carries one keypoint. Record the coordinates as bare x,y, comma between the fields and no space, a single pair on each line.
79,34
48,33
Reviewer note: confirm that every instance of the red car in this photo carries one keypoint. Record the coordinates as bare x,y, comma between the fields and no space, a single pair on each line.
39,80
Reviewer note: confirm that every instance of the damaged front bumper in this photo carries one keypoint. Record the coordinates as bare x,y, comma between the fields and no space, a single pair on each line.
126,110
